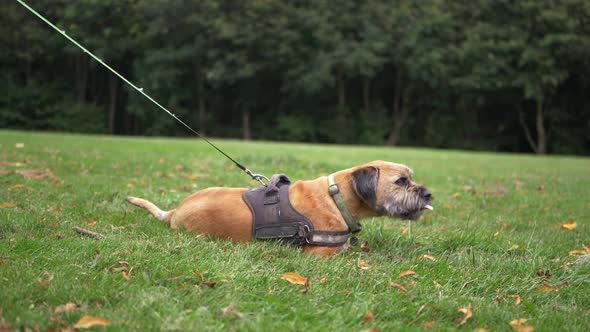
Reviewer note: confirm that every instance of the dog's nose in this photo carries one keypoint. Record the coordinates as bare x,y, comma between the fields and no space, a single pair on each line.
426,194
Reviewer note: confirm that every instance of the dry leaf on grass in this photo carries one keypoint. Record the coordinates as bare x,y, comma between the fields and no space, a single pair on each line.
17,186
68,307
569,225
372,329
91,222
124,275
467,314
231,310
363,265
45,279
406,273
87,322
399,287
546,288
481,329
586,251
368,317
365,246
436,284
429,257
518,325
430,324
294,278
516,298
7,205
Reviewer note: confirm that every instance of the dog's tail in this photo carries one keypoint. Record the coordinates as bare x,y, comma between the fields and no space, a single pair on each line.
163,216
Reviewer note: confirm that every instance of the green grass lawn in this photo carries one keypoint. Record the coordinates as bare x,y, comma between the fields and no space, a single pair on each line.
495,229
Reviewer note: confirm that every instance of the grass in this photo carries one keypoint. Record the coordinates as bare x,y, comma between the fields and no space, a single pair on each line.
496,222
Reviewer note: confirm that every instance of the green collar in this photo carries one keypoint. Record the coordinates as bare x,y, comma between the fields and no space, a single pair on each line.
353,226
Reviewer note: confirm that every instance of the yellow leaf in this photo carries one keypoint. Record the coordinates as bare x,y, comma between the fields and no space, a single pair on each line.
17,186
454,195
518,325
429,257
398,286
91,222
372,329
569,225
436,284
467,312
87,322
368,317
406,273
516,298
7,205
363,265
294,278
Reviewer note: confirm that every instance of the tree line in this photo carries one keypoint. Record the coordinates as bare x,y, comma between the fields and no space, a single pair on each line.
482,74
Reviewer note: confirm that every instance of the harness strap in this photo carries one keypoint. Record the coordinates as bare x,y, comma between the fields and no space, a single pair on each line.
353,226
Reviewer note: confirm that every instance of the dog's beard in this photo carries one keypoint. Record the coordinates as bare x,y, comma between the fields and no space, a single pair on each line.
406,205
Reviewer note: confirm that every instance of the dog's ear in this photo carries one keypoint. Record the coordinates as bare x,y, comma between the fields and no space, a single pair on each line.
364,183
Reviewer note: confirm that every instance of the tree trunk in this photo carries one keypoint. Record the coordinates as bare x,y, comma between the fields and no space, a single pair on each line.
401,109
113,95
541,135
366,94
246,130
540,145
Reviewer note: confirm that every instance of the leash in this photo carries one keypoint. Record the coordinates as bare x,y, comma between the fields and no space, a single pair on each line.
258,177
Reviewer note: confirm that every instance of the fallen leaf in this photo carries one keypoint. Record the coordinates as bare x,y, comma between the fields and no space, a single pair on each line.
406,273
365,246
7,205
518,325
33,174
372,329
398,286
123,267
45,279
294,278
124,275
455,195
497,233
586,251
322,280
363,265
547,288
231,310
91,222
518,184
569,225
540,188
87,322
467,312
429,257
17,186
429,324
516,298
19,145
68,307
481,329
368,317
436,284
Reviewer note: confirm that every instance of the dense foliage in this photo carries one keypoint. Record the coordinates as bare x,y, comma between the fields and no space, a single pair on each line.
484,74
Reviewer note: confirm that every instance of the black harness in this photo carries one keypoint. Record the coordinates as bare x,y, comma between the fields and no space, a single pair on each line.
274,218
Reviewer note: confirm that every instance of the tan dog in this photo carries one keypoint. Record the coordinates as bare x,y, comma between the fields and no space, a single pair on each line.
375,189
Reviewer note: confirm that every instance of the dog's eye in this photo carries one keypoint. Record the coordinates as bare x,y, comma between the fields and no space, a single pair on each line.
402,181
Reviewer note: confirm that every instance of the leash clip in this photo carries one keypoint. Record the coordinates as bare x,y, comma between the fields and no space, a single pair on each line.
258,177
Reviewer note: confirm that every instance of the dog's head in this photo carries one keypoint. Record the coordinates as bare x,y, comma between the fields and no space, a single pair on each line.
388,189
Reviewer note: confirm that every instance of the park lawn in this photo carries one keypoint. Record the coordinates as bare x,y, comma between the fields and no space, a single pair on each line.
493,246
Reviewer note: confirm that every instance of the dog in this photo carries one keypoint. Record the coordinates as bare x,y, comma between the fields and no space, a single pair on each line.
378,188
